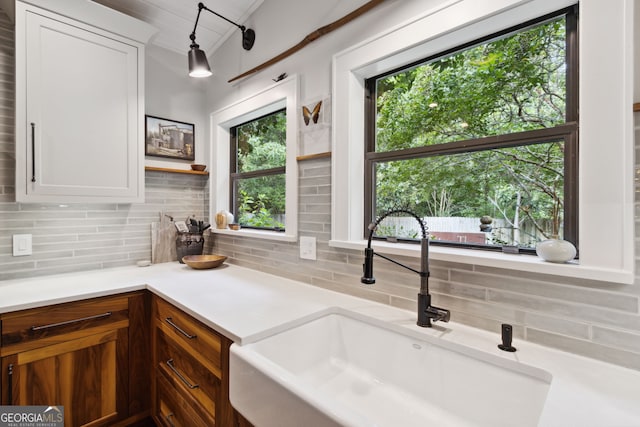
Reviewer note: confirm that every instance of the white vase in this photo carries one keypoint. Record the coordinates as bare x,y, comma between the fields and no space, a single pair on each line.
556,250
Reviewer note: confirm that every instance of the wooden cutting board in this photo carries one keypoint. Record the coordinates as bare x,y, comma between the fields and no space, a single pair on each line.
163,242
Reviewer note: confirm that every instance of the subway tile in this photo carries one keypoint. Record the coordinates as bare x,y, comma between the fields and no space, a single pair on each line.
407,291
306,191
65,268
570,310
487,324
458,290
322,171
586,348
321,237
485,309
75,245
515,284
301,277
615,338
314,181
312,227
556,325
7,259
329,255
116,251
451,265
313,217
315,199
79,260
354,290
403,303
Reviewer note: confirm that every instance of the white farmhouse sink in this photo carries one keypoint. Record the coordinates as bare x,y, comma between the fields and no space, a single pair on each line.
340,368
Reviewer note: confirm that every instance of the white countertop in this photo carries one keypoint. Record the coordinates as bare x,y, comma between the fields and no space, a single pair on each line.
246,305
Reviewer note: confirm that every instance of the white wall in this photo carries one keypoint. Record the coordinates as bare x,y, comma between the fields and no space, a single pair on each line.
172,94
279,25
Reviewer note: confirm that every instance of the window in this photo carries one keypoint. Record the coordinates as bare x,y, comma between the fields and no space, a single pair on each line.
480,140
258,158
606,155
279,97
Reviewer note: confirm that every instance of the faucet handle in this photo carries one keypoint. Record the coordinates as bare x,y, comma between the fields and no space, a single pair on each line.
439,314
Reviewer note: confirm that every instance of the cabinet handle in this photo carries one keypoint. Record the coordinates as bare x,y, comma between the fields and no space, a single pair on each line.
68,322
10,385
184,380
168,417
169,320
33,152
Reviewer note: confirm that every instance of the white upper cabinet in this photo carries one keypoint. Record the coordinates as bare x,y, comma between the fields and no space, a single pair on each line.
79,110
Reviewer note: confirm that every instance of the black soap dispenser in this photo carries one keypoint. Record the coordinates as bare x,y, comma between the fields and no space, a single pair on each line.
507,337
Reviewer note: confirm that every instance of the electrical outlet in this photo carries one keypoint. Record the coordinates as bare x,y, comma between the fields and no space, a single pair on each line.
307,247
22,244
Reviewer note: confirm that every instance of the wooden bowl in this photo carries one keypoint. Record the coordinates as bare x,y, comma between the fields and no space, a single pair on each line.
203,262
198,167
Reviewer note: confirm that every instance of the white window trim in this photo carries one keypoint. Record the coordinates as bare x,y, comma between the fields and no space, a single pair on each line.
606,162
281,95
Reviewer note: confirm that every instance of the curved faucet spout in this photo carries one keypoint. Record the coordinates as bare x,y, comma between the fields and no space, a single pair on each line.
426,312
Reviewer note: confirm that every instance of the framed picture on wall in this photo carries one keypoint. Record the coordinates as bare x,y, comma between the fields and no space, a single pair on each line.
169,138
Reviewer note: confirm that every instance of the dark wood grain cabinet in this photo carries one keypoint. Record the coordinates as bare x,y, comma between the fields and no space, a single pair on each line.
117,361
88,356
191,371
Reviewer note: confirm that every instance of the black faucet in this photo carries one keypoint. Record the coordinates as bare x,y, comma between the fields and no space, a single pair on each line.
427,313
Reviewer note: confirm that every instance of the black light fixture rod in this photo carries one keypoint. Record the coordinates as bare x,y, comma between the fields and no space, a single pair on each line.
193,33
202,6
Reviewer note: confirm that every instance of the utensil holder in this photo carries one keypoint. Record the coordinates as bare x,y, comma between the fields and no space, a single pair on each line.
189,244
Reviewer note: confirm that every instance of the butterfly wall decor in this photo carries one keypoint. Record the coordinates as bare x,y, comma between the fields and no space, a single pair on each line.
312,115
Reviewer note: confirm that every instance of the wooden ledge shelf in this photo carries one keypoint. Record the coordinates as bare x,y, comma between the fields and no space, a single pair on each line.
185,171
314,156
636,107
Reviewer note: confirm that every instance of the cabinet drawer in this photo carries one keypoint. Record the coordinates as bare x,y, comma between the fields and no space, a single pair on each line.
174,410
185,374
23,330
196,338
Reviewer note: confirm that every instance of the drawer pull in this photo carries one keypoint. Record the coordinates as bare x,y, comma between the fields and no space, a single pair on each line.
10,385
68,322
184,380
169,417
169,320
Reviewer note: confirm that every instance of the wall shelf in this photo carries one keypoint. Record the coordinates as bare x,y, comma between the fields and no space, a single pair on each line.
185,171
314,156
636,107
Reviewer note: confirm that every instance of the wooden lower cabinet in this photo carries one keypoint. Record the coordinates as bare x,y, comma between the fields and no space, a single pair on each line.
82,355
116,361
190,371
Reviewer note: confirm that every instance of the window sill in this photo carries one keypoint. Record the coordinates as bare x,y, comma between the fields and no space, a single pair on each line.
256,234
519,262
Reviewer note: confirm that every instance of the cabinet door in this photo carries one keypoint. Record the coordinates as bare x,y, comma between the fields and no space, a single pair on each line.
78,113
80,375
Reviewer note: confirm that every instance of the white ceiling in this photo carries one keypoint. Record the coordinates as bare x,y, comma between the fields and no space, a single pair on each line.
175,20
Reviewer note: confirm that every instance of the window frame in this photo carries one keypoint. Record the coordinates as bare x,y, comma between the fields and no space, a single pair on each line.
235,176
282,94
568,131
606,191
